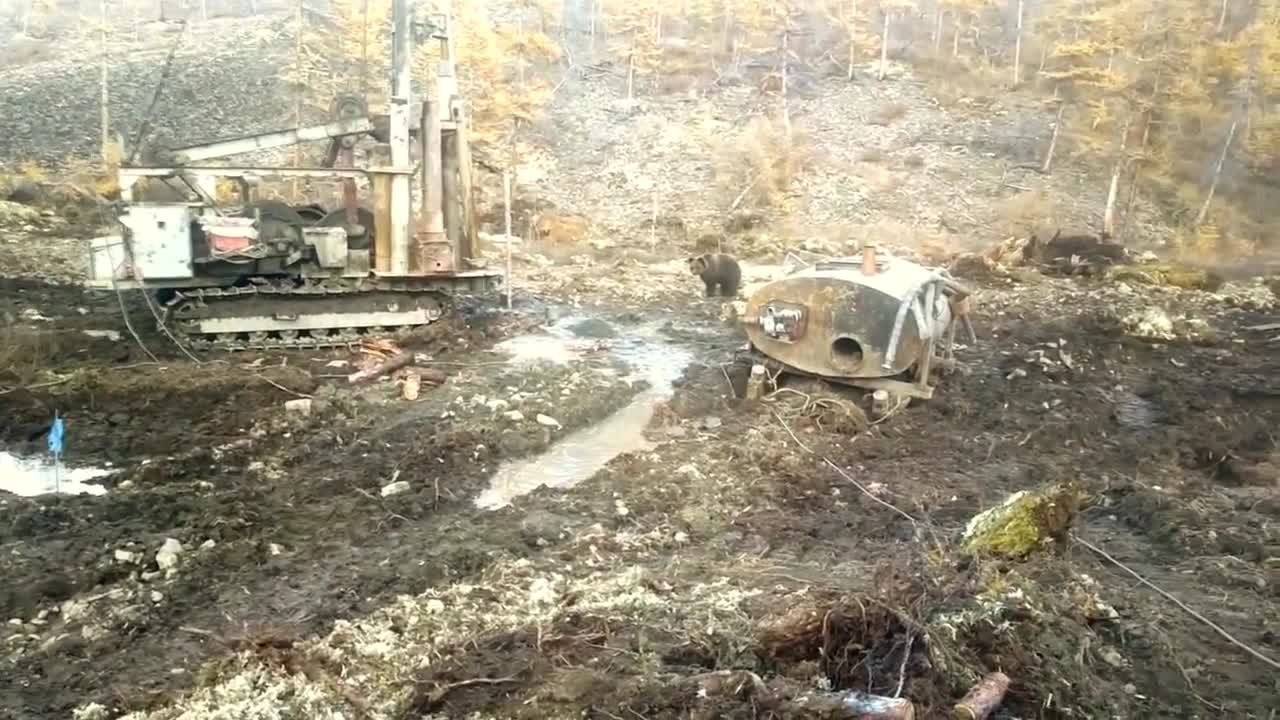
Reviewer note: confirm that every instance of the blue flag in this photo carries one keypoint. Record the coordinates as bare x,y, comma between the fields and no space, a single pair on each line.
55,436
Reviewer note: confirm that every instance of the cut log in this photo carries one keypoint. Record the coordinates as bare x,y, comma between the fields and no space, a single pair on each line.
430,376
391,365
755,383
412,386
984,698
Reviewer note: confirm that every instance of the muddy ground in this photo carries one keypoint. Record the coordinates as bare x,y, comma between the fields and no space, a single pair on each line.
746,537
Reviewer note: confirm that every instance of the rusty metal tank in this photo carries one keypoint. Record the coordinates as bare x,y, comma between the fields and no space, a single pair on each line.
874,317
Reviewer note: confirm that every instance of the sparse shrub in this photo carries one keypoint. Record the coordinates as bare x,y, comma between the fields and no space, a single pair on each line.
24,352
762,162
966,85
1024,214
888,113
1211,244
560,230
33,171
880,178
26,51
870,155
932,246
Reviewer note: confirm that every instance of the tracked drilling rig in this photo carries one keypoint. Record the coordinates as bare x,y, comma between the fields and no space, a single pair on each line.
262,274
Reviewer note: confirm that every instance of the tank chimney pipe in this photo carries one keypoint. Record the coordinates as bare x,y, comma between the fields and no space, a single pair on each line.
868,259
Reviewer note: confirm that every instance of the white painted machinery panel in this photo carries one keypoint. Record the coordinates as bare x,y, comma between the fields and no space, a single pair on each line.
330,244
160,240
107,261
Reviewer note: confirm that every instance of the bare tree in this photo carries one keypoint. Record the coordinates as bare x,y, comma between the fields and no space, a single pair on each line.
105,90
1113,193
1217,174
1017,47
1053,141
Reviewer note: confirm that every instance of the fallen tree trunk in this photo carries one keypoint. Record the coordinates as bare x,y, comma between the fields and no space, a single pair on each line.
427,376
391,365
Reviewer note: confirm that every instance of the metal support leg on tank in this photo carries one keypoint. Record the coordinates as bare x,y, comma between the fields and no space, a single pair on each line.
931,343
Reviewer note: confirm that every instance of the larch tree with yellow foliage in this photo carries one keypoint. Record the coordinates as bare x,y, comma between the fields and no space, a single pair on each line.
889,10
852,17
343,51
635,30
502,69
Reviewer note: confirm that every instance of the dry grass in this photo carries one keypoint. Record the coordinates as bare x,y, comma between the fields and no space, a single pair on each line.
880,178
932,245
24,353
27,51
760,163
1210,244
82,176
1024,214
888,113
871,155
958,83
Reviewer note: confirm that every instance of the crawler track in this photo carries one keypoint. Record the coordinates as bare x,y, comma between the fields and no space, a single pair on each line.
273,314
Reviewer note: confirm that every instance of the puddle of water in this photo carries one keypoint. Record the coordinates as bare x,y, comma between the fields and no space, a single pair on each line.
29,477
584,452
543,348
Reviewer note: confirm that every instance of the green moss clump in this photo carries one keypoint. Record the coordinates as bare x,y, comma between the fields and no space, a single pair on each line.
1022,524
1181,276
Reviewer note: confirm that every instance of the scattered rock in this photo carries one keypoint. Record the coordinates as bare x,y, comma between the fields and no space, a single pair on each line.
167,557
300,406
92,711
515,416
711,423
208,544
1113,657
33,315
127,557
689,470
15,212
157,596
548,421
1151,324
395,488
